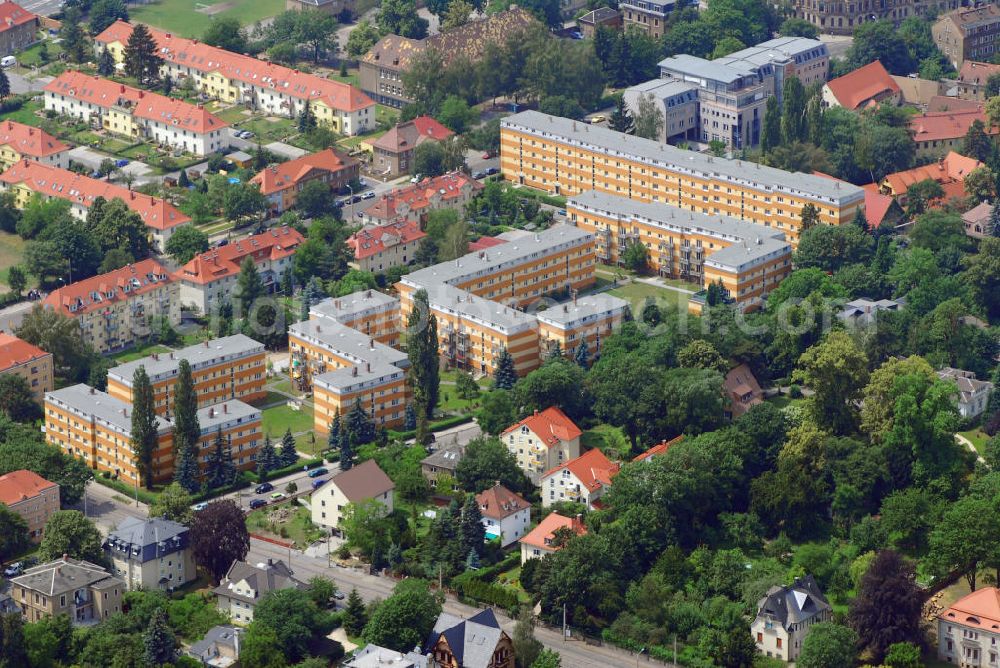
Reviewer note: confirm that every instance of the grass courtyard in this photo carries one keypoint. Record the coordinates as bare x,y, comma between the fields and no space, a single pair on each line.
278,419
11,253
190,18
636,294
286,520
978,438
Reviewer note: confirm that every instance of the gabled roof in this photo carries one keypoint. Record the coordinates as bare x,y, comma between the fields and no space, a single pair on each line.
82,190
498,502
13,15
541,536
973,72
551,427
948,103
65,575
15,351
261,578
795,603
966,381
862,85
21,485
275,178
980,609
472,641
218,263
658,449
29,141
407,136
142,532
951,169
593,469
97,292
191,53
944,125
374,239
362,482
738,383
433,192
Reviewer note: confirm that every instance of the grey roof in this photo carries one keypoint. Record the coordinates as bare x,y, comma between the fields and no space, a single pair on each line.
748,242
348,343
240,156
663,88
699,68
164,365
262,578
864,310
472,640
775,50
445,458
100,406
795,603
224,414
493,314
966,381
65,575
373,656
581,310
348,380
598,15
747,174
149,531
225,636
353,305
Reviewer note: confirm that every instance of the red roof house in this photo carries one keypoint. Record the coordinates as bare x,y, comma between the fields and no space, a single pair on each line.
583,480
936,133
864,87
506,515
541,540
380,247
18,28
281,183
412,203
393,151
105,290
30,142
658,449
950,172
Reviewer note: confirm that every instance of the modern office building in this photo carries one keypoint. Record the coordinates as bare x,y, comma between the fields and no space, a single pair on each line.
676,100
565,157
969,33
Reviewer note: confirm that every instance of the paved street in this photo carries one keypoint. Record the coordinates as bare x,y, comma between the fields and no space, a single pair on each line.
43,7
106,511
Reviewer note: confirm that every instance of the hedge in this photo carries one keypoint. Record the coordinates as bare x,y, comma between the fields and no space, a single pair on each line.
446,423
488,593
144,494
293,468
660,652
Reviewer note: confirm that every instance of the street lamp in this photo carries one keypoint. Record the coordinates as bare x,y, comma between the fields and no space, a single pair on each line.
349,188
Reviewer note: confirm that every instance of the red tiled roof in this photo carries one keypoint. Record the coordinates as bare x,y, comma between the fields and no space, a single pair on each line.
977,73
27,140
288,174
980,609
83,190
419,196
541,536
484,242
658,449
273,244
204,58
950,170
944,125
406,136
150,106
739,383
876,204
551,426
499,502
592,469
371,240
862,85
79,298
17,486
13,14
14,351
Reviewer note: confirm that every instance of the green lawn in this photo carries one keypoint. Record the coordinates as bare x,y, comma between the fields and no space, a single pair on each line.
182,16
26,114
11,253
30,57
286,520
637,293
610,439
279,419
137,353
781,400
978,438
233,114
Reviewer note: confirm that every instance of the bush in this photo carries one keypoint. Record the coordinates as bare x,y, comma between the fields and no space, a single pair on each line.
144,494
794,392
485,592
446,423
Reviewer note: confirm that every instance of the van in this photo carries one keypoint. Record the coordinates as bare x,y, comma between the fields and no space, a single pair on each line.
8,61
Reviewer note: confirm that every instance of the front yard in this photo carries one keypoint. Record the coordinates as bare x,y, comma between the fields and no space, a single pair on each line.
289,521
279,419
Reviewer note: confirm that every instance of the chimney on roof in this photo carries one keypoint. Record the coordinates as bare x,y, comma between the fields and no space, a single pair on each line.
93,391
354,371
225,408
211,412
206,343
368,367
371,344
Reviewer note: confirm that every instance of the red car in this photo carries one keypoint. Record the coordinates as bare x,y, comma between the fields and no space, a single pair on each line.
487,155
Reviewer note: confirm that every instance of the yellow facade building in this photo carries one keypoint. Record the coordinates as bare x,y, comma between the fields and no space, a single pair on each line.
588,320
371,312
566,157
27,361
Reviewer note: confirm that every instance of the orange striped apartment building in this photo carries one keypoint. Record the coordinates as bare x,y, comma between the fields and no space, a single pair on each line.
749,259
588,319
241,429
232,367
371,312
97,428
477,298
566,157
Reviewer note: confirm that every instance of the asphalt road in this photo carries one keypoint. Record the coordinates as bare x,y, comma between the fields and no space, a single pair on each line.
105,511
43,7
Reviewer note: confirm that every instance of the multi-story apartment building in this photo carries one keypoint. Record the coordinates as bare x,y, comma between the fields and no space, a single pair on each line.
542,441
582,480
969,33
22,142
28,178
412,203
843,16
32,497
373,313
151,553
209,279
83,591
561,156
392,153
96,427
135,113
232,367
18,28
27,361
650,16
749,259
676,100
378,248
968,632
588,320
281,183
235,78
477,298
937,133
239,425
972,79
122,307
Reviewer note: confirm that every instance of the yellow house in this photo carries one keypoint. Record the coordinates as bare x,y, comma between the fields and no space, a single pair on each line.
22,142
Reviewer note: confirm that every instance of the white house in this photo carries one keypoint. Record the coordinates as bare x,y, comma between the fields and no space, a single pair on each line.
542,540
785,616
969,631
542,441
505,514
581,480
973,395
363,482
245,585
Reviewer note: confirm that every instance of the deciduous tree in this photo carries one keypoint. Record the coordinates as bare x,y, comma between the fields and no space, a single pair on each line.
404,619
887,608
219,537
69,532
145,425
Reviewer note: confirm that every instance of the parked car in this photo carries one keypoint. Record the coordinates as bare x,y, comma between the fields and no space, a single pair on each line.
487,155
562,212
315,473
319,483
369,195
263,488
121,163
416,178
339,596
14,569
597,119
491,171
198,507
478,175
278,496
257,503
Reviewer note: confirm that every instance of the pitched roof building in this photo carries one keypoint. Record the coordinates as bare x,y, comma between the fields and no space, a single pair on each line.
442,461
27,177
378,248
24,142
973,394
977,220
864,87
968,33
657,449
542,440
968,631
32,497
505,514
246,584
476,642
219,648
393,151
785,616
972,79
412,203
18,28
361,483
85,592
281,183
741,386
950,172
28,361
540,541
939,132
582,480
151,553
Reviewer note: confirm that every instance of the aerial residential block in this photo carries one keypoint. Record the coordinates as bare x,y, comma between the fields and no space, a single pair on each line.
968,33
282,182
588,320
841,18
566,157
378,248
27,361
232,367
18,28
32,497
135,113
506,516
867,86
650,16
246,584
785,615
83,591
235,78
412,203
151,553
542,540
542,441
359,484
969,629
393,151
239,425
23,142
584,479
121,308
371,312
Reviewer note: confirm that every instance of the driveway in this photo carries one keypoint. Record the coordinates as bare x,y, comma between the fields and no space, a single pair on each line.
92,160
11,317
43,7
